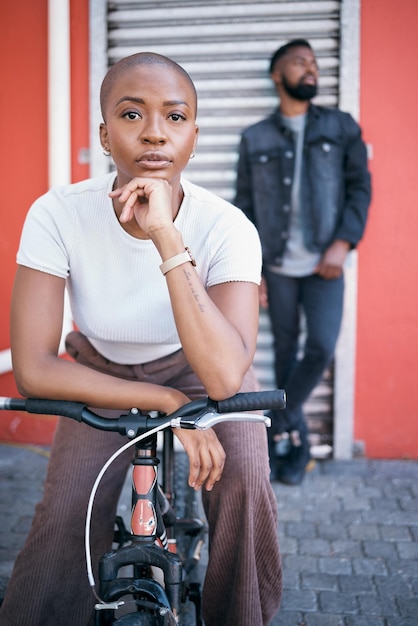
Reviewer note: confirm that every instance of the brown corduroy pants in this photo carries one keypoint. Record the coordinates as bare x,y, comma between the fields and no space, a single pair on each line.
243,583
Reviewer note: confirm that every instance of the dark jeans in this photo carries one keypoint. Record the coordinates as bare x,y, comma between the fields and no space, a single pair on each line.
321,301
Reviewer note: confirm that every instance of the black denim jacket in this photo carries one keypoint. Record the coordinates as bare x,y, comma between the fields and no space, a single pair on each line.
335,182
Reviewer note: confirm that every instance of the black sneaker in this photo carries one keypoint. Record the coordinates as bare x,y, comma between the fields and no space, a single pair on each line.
291,470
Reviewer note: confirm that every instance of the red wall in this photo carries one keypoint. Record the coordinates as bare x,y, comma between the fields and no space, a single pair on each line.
24,154
80,103
23,128
23,159
387,341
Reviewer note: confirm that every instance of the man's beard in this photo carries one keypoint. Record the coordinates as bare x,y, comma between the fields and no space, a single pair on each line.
301,92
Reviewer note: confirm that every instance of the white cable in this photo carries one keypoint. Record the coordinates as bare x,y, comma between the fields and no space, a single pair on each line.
93,493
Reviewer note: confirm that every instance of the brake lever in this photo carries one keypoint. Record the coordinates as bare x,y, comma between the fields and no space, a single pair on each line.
211,418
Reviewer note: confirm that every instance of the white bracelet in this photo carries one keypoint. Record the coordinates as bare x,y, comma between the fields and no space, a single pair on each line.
178,259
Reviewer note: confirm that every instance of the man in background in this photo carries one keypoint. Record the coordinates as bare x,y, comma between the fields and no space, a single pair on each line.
304,182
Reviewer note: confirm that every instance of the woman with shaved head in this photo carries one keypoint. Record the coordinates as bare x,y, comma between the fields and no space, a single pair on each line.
163,280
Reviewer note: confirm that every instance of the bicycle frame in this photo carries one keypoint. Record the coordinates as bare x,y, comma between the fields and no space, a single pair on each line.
142,553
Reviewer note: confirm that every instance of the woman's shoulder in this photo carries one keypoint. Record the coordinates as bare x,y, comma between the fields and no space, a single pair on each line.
98,185
211,216
65,202
204,200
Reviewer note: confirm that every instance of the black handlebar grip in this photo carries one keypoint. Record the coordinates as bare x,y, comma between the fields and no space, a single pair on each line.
13,404
55,407
253,401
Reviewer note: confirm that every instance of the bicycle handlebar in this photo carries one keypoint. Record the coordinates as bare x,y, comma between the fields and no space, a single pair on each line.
202,413
253,401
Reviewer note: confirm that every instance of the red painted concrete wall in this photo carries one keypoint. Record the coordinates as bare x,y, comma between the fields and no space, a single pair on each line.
386,416
23,162
80,104
23,129
24,154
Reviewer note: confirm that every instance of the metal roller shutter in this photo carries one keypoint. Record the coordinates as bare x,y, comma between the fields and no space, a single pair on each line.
225,46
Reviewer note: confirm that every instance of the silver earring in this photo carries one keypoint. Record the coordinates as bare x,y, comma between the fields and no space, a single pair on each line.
193,154
106,153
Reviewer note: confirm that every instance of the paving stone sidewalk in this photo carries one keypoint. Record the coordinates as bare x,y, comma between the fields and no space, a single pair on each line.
349,541
348,535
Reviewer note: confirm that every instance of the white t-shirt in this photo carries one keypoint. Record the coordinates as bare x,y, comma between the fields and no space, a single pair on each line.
119,298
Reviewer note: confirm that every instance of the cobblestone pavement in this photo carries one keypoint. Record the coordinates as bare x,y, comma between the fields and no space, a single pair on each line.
349,541
348,535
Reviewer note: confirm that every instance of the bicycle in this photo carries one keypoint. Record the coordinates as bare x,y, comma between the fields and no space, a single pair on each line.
159,581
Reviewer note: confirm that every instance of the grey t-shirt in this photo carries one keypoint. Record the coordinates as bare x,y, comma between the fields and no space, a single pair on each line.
297,260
